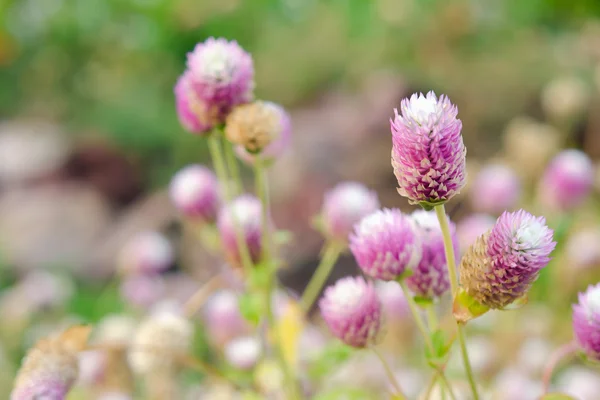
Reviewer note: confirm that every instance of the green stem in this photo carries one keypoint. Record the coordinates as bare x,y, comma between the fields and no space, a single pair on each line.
414,309
232,165
440,211
446,386
331,253
431,317
262,191
216,154
399,394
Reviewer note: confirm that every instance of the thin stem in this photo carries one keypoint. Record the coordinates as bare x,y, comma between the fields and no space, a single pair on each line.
559,355
392,378
447,386
465,356
440,211
331,253
431,317
232,165
262,191
216,153
198,299
414,309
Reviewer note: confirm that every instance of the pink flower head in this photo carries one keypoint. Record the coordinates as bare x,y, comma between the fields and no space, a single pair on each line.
471,227
352,311
567,181
193,114
496,188
221,76
47,389
428,154
586,322
385,244
430,277
502,264
245,212
344,206
195,192
146,253
142,290
222,318
279,145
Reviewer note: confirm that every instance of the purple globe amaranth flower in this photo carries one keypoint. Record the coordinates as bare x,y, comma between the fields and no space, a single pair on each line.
502,264
385,244
221,77
586,322
244,212
430,276
428,154
352,311
195,192
273,123
345,205
496,188
567,181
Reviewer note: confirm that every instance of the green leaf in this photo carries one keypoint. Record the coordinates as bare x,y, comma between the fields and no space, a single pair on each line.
429,205
259,277
466,308
251,307
332,356
423,301
441,349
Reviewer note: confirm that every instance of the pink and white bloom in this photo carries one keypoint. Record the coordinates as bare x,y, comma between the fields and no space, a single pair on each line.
194,190
385,244
345,205
496,188
586,322
428,153
567,181
222,318
147,252
193,114
502,264
245,212
352,311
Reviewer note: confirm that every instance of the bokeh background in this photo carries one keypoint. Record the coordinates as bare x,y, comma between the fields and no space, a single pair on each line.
89,137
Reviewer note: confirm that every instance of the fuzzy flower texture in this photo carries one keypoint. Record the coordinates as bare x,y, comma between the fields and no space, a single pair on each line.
586,322
220,76
352,311
428,153
502,264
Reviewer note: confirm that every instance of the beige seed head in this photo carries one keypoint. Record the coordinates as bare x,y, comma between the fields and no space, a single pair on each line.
253,126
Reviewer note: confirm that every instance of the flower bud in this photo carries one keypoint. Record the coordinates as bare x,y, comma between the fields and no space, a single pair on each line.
567,181
502,264
146,253
352,311
278,121
430,277
586,322
222,318
345,205
428,154
192,113
496,188
195,192
385,244
256,126
245,212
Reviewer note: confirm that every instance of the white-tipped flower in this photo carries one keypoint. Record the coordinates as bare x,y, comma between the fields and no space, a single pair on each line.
195,192
146,253
243,352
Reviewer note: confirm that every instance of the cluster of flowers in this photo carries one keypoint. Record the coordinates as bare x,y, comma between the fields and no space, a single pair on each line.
418,252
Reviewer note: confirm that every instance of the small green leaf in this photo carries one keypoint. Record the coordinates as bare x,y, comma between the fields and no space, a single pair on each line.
557,396
466,308
441,348
251,307
423,301
429,205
